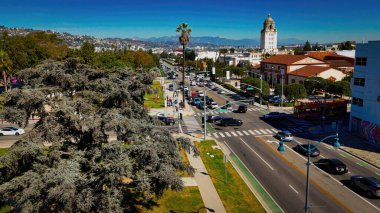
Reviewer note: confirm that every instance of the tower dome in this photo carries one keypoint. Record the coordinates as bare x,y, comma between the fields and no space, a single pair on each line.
269,23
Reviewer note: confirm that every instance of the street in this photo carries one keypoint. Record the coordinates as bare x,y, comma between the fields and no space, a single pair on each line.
284,175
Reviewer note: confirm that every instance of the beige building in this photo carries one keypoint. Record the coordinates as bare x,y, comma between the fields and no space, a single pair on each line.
299,76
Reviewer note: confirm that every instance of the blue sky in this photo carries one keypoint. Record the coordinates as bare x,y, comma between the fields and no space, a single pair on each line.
317,21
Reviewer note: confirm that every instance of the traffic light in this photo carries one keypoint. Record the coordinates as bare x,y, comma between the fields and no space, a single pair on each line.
203,120
180,116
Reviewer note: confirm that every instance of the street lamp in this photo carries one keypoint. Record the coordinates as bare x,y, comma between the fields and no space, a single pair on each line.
336,144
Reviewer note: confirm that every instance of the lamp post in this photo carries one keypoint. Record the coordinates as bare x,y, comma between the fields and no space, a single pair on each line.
281,148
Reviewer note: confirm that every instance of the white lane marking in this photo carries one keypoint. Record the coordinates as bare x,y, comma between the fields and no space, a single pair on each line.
233,133
228,134
270,132
239,133
221,134
259,133
257,154
274,130
250,131
293,189
246,133
249,109
261,130
215,135
322,156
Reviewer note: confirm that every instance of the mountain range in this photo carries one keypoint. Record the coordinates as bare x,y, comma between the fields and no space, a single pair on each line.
218,41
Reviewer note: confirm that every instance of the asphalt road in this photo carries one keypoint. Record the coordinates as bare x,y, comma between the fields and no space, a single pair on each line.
283,175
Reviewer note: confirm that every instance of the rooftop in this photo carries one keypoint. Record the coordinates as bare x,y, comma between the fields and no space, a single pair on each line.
308,71
284,59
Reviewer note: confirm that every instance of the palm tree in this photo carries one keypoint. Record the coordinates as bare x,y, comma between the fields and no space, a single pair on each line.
184,39
224,51
5,66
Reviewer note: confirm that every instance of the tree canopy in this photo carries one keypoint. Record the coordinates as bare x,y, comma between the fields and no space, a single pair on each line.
307,46
256,83
83,169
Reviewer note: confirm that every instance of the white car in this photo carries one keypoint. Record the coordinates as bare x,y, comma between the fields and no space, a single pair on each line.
214,105
193,83
201,94
11,131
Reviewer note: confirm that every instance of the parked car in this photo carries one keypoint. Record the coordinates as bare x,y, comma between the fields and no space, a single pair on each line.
167,121
274,115
215,88
11,131
285,135
193,83
302,149
242,108
220,91
332,165
231,122
201,94
214,118
370,185
209,100
163,115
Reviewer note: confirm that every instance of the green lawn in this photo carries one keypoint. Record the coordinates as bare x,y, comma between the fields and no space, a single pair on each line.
187,200
235,194
4,209
150,99
3,151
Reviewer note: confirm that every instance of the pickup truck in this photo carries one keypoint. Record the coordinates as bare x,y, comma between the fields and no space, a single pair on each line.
275,115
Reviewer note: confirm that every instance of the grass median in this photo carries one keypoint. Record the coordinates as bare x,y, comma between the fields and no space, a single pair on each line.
235,194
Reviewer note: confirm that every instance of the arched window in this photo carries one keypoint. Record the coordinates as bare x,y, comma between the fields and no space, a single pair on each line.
293,81
301,82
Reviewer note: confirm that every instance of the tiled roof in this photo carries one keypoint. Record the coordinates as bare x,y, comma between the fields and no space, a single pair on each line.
320,55
308,71
284,59
340,63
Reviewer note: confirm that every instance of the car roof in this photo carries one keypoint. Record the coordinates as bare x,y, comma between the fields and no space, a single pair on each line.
286,132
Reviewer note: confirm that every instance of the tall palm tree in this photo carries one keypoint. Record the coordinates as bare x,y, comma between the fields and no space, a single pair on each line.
5,66
184,39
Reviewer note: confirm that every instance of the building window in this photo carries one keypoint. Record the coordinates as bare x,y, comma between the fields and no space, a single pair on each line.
359,82
293,81
357,101
362,61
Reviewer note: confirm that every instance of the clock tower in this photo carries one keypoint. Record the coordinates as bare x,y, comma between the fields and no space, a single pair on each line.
268,38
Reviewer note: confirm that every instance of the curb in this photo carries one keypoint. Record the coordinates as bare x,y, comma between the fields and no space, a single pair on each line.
360,158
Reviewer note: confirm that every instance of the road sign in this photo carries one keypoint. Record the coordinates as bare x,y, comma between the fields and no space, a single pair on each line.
249,88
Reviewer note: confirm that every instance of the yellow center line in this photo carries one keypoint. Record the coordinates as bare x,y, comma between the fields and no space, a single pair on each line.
332,197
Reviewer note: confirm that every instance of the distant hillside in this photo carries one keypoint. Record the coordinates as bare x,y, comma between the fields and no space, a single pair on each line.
218,41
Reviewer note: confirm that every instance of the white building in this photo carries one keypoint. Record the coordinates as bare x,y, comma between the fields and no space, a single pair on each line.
268,38
235,59
207,54
365,103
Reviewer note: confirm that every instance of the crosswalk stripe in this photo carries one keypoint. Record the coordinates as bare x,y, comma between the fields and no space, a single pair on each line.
233,133
268,130
246,133
250,131
212,112
215,135
261,130
221,134
228,134
250,109
241,134
208,134
257,132
274,130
